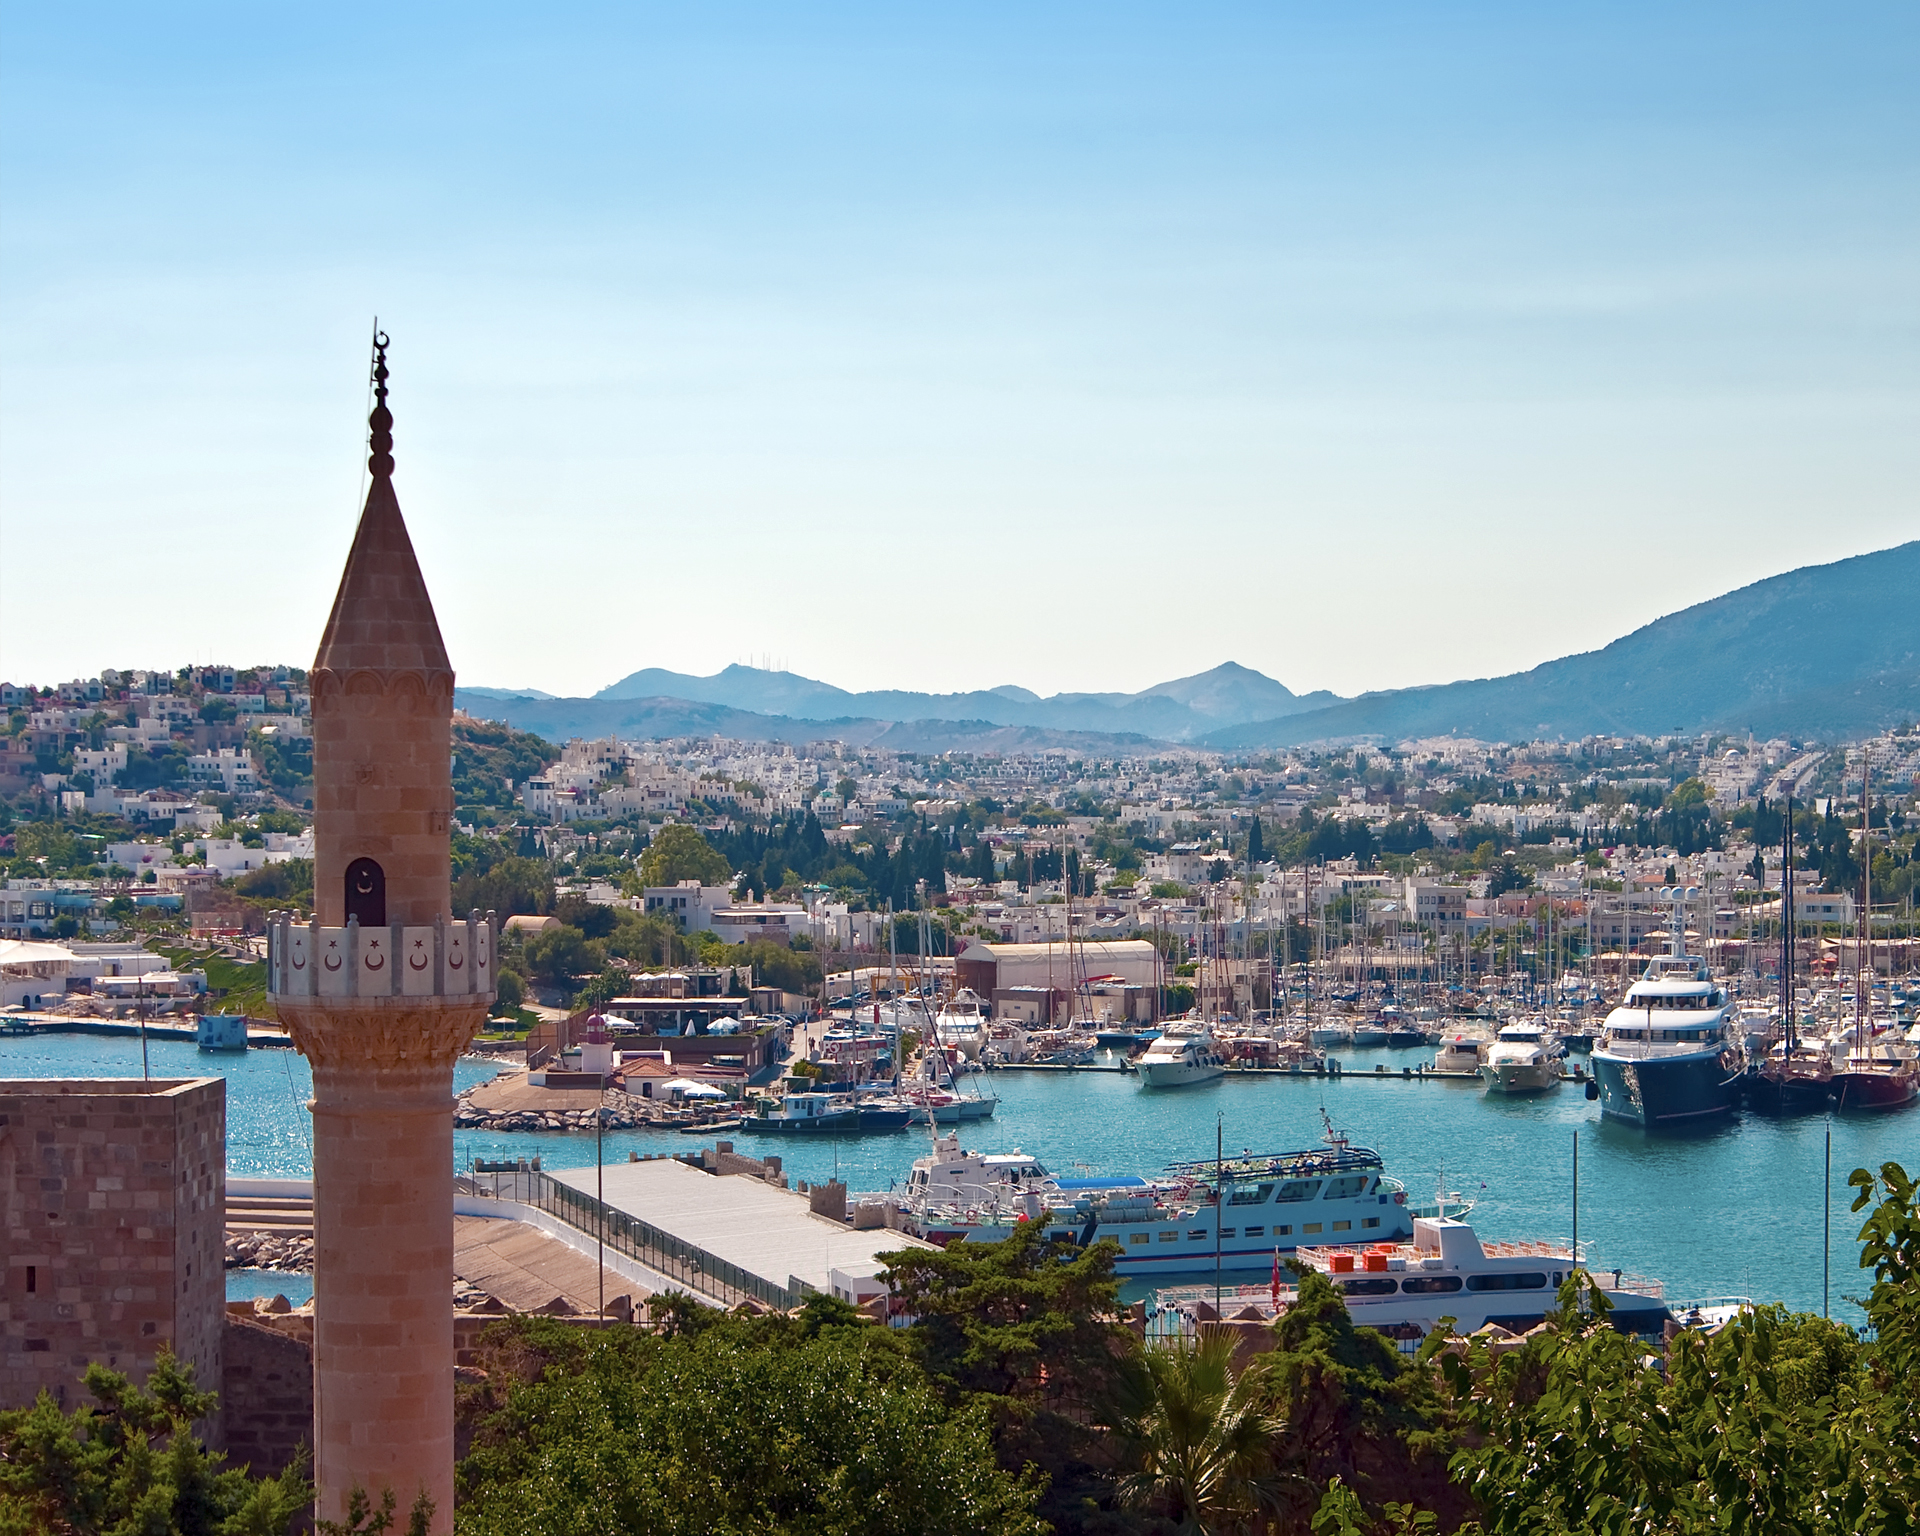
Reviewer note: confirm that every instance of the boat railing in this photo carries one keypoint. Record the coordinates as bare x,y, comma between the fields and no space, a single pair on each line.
1289,1164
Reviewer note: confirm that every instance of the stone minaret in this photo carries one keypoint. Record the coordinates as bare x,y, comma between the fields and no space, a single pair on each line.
381,991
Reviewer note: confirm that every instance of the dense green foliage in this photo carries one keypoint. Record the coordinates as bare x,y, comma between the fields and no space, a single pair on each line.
487,755
795,851
679,852
735,1425
1778,1423
127,1462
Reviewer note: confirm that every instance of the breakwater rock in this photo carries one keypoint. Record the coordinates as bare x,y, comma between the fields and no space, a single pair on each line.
618,1112
269,1250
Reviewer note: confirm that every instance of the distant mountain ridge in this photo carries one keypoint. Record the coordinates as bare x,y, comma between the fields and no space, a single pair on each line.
1824,651
1180,710
653,718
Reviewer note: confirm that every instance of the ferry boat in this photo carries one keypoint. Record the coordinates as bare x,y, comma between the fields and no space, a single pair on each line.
1175,1061
1175,1225
1405,1288
1670,1053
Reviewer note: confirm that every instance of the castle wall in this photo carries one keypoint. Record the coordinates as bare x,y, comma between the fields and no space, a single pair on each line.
112,1205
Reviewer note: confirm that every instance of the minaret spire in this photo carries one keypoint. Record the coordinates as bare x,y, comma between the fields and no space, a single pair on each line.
380,423
382,618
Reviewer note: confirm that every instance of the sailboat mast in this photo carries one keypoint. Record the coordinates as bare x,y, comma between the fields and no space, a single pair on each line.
1787,924
1863,930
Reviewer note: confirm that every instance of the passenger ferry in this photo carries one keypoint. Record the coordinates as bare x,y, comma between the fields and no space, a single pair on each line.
1671,1052
1405,1289
1275,1202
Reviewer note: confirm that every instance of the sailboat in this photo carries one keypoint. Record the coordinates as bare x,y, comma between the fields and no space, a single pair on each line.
1795,1073
1879,1070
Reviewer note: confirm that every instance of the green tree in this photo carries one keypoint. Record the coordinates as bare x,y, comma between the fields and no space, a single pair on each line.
560,954
509,992
679,853
130,1462
1780,1422
510,886
1028,1327
1351,1408
1194,1438
728,1427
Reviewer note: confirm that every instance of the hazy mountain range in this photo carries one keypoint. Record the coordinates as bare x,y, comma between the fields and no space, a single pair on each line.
1826,651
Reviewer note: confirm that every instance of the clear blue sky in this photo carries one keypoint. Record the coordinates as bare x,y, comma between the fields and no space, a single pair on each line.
1068,346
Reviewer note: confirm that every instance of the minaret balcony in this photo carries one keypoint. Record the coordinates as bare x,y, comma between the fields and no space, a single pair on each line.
442,959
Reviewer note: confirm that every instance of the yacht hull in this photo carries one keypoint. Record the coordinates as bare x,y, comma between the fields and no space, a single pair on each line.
1177,1074
1788,1095
1666,1091
1875,1090
1519,1076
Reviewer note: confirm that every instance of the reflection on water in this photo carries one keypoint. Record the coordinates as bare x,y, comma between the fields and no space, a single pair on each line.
1734,1207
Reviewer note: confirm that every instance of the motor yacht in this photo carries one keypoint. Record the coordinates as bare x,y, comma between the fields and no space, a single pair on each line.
1180,1060
1524,1059
961,1022
1463,1047
1370,1032
1670,1053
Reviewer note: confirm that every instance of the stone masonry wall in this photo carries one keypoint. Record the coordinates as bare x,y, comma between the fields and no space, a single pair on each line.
112,1199
266,1395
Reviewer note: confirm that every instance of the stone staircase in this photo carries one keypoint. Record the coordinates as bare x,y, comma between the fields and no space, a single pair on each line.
283,1216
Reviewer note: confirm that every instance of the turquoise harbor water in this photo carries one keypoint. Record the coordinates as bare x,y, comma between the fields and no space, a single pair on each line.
1732,1210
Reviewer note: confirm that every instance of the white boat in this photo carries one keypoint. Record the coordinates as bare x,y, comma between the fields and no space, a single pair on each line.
1670,1052
1406,1288
1370,1032
952,1176
962,1022
1175,1061
1462,1048
1329,1033
1522,1060
1176,1225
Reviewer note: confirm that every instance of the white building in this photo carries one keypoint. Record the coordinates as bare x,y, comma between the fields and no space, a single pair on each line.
229,768
1443,908
690,903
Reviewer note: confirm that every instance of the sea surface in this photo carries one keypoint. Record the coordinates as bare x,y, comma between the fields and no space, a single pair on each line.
1737,1209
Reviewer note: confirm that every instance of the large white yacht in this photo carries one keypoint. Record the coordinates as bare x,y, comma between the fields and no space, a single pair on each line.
1671,1052
1177,1060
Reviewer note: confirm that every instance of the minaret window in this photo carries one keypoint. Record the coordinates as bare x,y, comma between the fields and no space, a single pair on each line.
367,893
